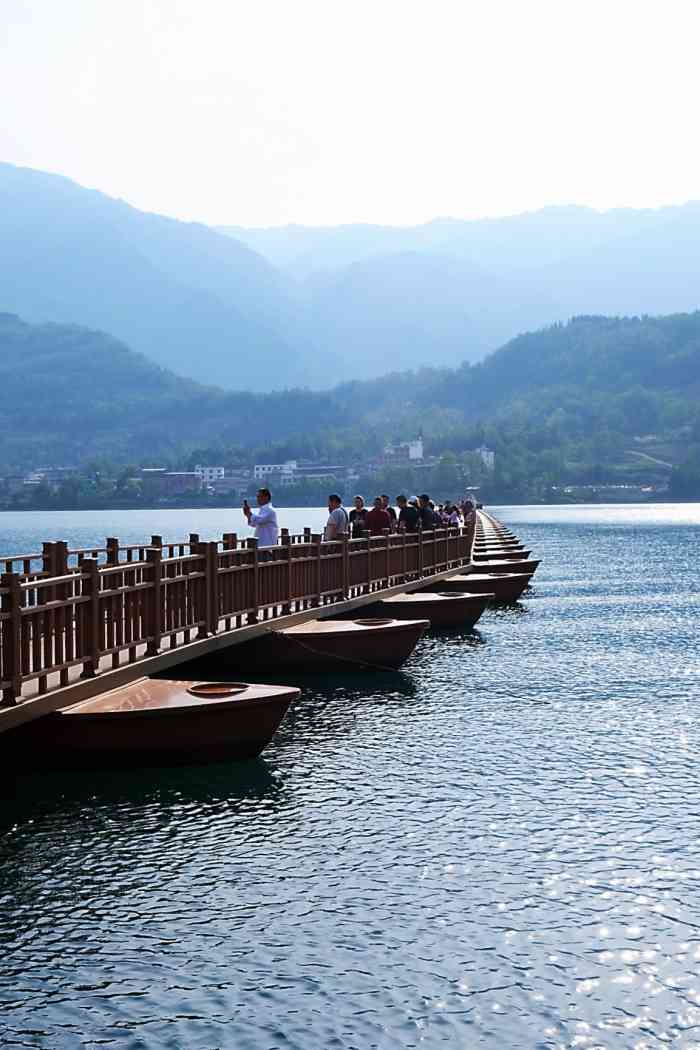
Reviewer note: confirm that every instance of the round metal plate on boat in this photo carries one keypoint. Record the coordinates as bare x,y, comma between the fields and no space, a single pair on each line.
216,690
373,623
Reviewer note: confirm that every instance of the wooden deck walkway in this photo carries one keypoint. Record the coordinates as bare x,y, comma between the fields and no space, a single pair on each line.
77,623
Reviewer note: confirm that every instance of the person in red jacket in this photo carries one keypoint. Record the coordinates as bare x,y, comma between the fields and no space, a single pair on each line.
377,518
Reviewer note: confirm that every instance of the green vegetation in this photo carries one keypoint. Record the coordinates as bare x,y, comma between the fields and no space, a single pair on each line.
598,400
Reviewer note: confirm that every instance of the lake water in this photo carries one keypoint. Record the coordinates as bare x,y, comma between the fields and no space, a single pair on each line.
497,847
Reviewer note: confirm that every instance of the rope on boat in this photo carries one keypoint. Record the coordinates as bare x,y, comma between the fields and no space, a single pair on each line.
332,656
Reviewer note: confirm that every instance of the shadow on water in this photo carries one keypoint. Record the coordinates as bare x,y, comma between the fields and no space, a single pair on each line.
329,702
327,709
41,795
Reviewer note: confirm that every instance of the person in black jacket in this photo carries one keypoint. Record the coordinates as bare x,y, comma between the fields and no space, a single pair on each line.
428,517
357,518
408,515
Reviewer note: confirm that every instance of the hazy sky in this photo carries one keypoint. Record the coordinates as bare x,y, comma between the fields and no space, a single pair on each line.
262,112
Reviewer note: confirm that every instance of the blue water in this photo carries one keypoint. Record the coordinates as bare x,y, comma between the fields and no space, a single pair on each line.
498,847
23,532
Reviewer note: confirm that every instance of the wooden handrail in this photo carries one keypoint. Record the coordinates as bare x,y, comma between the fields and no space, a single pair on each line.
76,616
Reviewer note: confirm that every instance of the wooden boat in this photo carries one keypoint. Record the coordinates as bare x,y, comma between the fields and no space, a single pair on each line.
156,722
506,587
499,552
500,555
506,565
365,643
499,544
442,609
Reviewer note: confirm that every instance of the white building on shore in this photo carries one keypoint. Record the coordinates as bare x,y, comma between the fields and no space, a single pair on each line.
487,456
284,472
405,451
209,474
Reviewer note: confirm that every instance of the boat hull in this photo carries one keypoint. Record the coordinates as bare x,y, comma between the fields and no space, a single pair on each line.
505,588
76,738
506,565
500,554
497,541
442,609
335,649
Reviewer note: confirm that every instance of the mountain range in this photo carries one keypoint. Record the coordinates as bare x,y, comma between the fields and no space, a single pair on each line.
453,290
289,307
193,300
72,395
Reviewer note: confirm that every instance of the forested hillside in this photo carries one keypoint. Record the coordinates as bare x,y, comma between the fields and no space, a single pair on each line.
594,398
71,395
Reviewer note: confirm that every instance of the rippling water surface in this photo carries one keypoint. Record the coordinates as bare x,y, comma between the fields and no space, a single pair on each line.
498,847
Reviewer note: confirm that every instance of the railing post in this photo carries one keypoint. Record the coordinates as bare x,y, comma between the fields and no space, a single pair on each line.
156,541
367,536
471,532
286,542
60,568
48,562
112,545
307,535
386,533
154,557
213,576
346,565
316,538
91,617
252,544
47,558
421,561
199,550
230,541
11,639
404,558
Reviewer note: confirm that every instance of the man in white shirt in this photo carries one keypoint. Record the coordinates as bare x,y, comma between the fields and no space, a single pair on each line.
264,520
337,524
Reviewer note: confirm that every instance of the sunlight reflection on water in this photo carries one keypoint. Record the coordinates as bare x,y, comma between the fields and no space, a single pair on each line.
496,847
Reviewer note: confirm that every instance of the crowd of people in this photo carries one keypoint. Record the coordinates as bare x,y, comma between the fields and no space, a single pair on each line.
409,515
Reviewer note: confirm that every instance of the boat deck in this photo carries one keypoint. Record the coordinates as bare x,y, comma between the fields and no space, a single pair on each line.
164,694
376,623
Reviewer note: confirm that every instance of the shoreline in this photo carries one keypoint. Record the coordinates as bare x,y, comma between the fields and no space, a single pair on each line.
500,502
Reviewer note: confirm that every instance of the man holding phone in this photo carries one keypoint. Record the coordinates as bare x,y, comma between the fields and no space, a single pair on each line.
264,520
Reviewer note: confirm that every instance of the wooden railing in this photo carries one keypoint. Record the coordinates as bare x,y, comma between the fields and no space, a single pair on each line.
127,603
